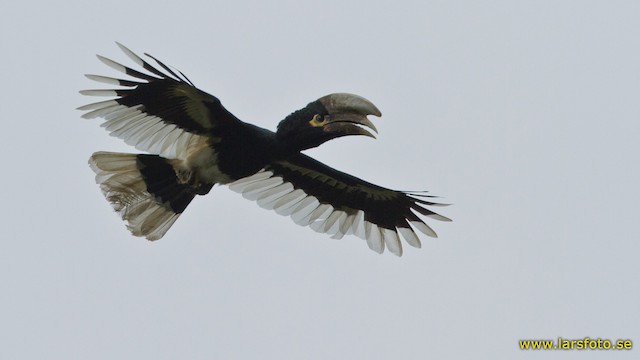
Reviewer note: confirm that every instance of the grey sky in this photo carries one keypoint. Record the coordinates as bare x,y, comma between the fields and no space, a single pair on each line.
523,114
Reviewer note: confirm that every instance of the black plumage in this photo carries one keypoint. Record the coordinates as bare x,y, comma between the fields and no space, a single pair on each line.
195,143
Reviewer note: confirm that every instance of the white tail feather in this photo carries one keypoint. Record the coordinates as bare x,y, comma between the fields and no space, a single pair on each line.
123,185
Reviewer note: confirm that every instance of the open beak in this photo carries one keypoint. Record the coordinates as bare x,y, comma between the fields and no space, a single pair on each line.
348,114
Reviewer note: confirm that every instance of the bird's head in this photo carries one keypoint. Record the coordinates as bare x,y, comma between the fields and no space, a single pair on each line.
327,118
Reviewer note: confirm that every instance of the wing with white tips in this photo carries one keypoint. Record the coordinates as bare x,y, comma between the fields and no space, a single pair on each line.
159,112
332,202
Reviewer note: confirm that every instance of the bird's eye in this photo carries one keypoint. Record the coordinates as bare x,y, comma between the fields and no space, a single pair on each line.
318,120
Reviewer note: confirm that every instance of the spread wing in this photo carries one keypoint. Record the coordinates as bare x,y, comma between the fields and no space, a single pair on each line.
332,202
159,112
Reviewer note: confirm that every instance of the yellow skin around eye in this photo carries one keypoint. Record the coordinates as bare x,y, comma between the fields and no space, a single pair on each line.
318,121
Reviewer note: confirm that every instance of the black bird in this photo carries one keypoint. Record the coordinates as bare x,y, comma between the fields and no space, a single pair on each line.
194,143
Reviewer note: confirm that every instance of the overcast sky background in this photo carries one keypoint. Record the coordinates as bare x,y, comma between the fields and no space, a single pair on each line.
524,114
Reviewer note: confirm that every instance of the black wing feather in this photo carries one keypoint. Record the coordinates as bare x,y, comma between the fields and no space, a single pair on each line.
383,207
138,109
353,202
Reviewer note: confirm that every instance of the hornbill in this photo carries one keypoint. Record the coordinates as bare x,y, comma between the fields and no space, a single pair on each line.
193,143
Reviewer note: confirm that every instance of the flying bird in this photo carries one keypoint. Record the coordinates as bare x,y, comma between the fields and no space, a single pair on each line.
192,143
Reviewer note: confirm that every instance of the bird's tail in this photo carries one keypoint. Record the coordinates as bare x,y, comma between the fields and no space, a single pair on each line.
143,189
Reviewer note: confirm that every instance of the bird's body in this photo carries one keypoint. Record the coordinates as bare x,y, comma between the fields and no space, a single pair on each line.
194,143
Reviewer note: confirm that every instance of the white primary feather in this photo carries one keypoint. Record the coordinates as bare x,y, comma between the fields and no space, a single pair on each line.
320,213
120,118
112,64
240,184
103,111
358,225
269,202
98,105
253,190
98,92
289,202
332,220
304,208
338,233
438,216
373,237
392,241
410,237
103,79
346,226
269,197
135,58
158,141
424,228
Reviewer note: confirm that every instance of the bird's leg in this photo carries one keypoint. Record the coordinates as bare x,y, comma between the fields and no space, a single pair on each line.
185,176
